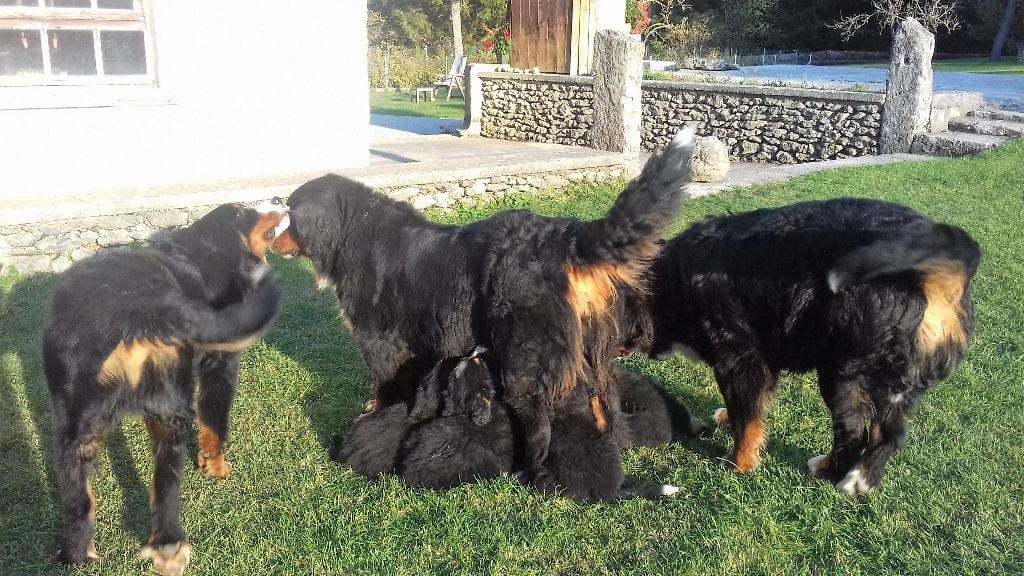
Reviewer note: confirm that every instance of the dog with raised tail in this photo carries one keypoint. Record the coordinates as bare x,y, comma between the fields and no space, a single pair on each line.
537,290
872,295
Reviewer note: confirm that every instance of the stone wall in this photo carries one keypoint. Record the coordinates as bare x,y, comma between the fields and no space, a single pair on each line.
766,124
537,107
757,123
53,245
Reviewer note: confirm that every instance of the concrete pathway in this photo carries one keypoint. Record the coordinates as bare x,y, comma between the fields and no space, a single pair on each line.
1001,89
384,127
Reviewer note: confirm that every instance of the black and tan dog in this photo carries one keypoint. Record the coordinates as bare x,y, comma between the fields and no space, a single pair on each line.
536,290
127,333
873,296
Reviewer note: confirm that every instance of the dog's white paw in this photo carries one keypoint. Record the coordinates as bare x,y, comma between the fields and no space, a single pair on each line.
168,559
854,483
720,416
667,490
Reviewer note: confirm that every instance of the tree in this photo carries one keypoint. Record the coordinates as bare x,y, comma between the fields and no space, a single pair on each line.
932,14
1004,30
457,27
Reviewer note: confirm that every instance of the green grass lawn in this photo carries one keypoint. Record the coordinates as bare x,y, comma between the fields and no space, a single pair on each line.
951,503
399,104
1006,65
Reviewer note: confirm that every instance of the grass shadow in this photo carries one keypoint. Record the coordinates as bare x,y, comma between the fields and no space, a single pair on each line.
310,333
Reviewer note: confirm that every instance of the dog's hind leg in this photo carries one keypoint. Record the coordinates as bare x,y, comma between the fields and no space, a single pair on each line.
167,547
888,434
746,384
218,379
76,446
849,407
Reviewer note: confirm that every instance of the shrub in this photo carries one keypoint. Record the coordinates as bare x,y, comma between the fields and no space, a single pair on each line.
404,68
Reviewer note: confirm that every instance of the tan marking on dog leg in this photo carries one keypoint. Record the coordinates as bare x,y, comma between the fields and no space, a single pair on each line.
210,456
598,411
720,417
168,559
747,456
819,465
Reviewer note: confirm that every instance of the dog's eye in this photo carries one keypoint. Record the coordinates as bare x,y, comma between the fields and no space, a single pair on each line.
268,235
276,200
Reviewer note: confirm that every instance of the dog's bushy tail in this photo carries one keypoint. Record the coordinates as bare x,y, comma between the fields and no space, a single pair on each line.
642,211
232,328
923,245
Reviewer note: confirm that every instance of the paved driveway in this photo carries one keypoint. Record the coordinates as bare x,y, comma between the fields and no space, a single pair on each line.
1000,89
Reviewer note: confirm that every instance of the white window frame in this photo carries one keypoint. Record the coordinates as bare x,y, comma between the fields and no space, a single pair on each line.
43,19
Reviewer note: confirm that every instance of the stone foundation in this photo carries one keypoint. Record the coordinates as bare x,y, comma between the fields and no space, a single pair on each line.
51,245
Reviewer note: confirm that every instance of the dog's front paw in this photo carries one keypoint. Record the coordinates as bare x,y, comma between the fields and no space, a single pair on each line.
819,465
168,559
855,483
213,464
89,556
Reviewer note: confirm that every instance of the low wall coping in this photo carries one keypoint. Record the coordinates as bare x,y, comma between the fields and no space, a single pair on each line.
549,78
771,91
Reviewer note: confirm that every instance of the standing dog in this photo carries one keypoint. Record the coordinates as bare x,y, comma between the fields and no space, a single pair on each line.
872,295
127,332
537,290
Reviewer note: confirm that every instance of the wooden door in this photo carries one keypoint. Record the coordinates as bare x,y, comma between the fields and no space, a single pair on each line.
541,34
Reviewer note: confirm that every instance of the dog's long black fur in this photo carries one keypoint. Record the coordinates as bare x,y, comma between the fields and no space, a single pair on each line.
534,289
127,332
872,295
455,432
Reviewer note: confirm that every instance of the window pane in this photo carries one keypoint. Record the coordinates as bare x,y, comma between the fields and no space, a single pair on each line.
71,52
32,3
20,52
69,3
124,51
119,4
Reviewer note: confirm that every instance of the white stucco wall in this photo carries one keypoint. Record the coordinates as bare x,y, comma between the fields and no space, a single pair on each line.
611,15
247,88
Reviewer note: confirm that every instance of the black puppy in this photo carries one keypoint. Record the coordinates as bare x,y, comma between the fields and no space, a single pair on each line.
648,415
127,333
872,295
453,433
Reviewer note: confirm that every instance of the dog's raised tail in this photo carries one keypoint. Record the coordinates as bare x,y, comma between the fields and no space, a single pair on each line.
642,212
928,247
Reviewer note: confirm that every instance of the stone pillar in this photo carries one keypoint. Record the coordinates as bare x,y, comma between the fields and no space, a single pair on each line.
474,94
908,94
618,71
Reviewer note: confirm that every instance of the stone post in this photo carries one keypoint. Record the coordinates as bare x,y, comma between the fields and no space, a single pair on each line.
474,94
618,72
908,94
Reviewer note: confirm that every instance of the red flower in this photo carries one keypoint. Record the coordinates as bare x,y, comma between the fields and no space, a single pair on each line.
488,45
508,35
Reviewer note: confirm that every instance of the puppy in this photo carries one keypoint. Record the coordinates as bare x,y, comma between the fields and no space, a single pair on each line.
648,415
872,295
127,333
455,431
536,289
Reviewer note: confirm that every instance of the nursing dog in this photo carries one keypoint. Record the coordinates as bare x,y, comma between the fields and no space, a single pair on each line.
535,289
127,332
872,295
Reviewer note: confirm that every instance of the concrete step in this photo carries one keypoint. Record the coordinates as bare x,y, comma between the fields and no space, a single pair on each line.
954,144
991,114
991,127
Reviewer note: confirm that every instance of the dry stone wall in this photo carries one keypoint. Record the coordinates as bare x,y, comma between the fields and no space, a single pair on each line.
756,123
537,108
766,124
